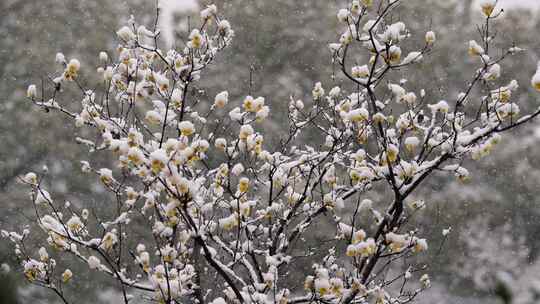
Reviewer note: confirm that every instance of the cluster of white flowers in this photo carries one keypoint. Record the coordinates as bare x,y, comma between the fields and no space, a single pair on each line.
217,201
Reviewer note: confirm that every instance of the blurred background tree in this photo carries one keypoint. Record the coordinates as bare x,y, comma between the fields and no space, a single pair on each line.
283,45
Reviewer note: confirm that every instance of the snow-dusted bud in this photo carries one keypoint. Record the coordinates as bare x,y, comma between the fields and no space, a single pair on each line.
417,205
219,300
343,15
224,27
85,213
475,49
4,268
355,7
358,115
67,275
30,178
245,131
431,37
195,39
176,97
243,184
158,160
31,92
318,91
248,104
462,174
103,57
446,232
237,169
72,69
221,99
43,255
424,279
142,31
493,73
229,222
420,246
488,6
360,71
411,143
153,117
93,262
514,50
108,74
334,92
412,57
43,197
392,153
126,34
262,114
442,106
535,81
322,286
60,58
409,98
220,143
105,175
394,54
140,248
186,128
208,12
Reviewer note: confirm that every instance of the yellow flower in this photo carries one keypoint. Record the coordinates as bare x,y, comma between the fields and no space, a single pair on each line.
186,128
249,104
196,39
31,274
475,49
359,236
158,159
355,176
366,248
351,251
245,131
322,286
394,54
67,275
72,69
183,186
392,153
488,6
360,71
243,184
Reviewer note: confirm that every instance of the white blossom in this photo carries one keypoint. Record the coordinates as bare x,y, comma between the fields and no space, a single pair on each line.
60,58
430,38
126,34
488,6
186,127
31,92
535,81
221,99
93,262
103,57
475,49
